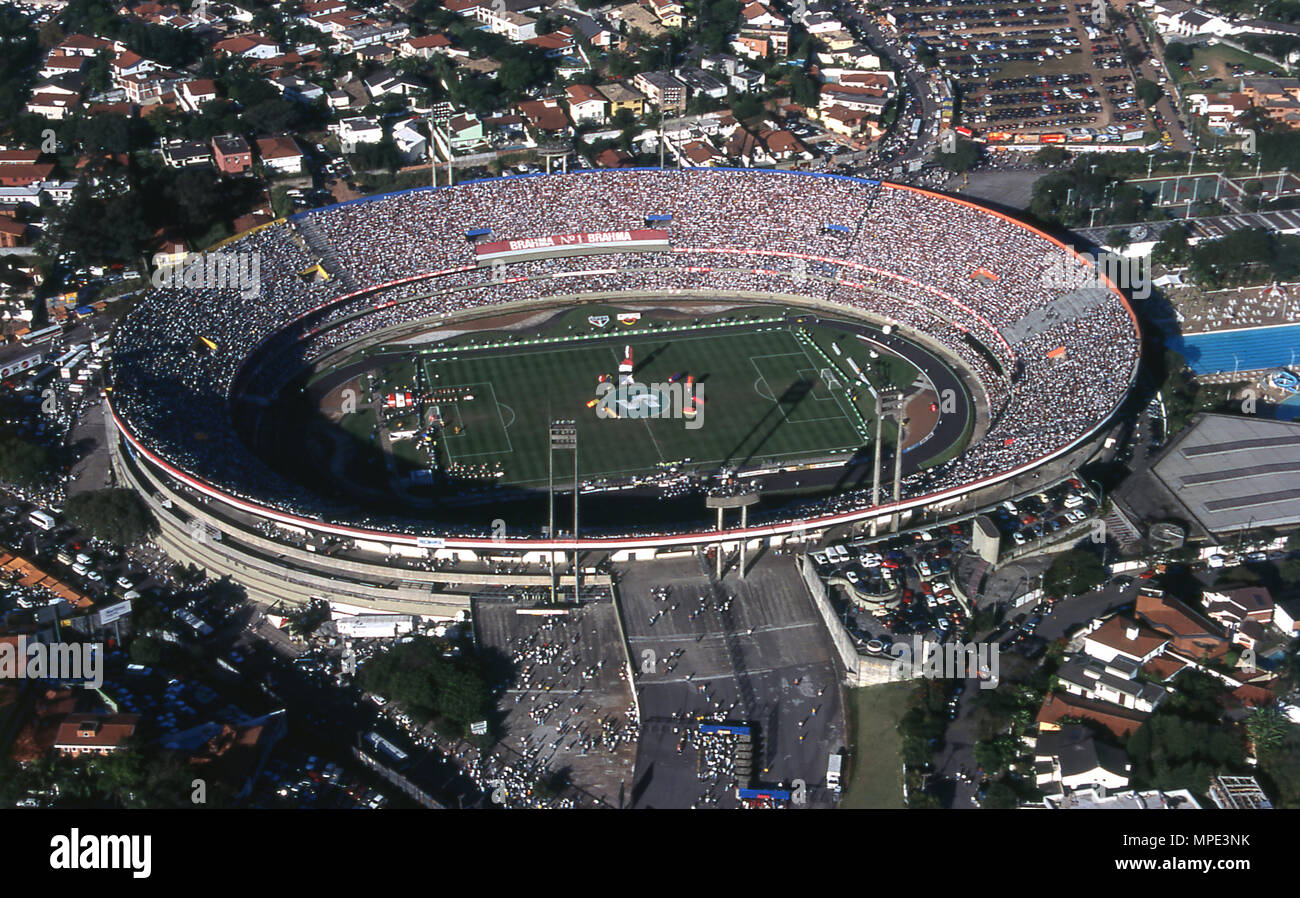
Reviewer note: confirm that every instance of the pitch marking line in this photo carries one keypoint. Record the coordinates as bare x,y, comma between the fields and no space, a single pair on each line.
505,431
835,394
644,421
770,397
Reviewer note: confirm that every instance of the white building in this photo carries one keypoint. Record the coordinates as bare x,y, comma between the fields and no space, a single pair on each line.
354,132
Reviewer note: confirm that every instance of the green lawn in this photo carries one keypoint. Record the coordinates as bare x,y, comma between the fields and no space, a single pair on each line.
874,772
1218,58
764,402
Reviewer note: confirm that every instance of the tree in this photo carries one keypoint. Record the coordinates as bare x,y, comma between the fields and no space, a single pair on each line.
22,462
1051,155
117,516
803,89
1118,239
452,692
307,620
1074,572
995,755
963,158
1173,247
1267,729
1178,53
1169,753
146,650
1148,92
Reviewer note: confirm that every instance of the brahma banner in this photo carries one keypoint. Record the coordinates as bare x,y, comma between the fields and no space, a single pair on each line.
642,240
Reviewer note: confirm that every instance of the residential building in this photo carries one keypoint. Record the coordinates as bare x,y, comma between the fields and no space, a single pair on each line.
670,13
370,33
545,115
1190,634
1122,637
622,96
1286,616
1115,681
426,47
412,142
663,89
1237,793
249,46
701,83
355,132
586,104
94,734
232,154
191,95
1062,706
1071,758
1102,799
178,153
1243,612
280,154
513,26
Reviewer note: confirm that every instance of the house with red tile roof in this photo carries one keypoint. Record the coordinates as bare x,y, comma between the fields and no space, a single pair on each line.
94,734
1124,637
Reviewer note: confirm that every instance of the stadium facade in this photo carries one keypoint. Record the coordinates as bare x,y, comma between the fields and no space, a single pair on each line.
1049,358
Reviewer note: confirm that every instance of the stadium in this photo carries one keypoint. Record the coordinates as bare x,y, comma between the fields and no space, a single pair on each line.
468,320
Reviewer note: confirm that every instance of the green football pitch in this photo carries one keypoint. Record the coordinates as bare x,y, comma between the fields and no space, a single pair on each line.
765,401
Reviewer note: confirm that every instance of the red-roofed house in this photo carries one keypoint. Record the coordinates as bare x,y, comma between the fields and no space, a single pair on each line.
425,47
12,233
82,45
557,43
783,145
586,104
24,174
94,734
612,158
19,157
128,63
545,115
1190,634
700,153
62,64
1124,637
280,154
1059,708
252,46
193,94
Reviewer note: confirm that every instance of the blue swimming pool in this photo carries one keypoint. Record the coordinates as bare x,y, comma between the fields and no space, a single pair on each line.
1242,350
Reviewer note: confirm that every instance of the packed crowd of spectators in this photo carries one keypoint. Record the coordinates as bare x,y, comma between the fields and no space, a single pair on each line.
960,276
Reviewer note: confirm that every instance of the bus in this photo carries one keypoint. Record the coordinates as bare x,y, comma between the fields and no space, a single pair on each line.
65,370
916,128
46,333
68,356
97,344
41,519
386,747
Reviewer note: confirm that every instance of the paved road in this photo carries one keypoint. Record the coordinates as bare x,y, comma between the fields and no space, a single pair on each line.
917,84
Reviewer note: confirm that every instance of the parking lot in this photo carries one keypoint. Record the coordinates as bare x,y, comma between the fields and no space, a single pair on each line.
569,706
752,652
896,586
1029,67
900,585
